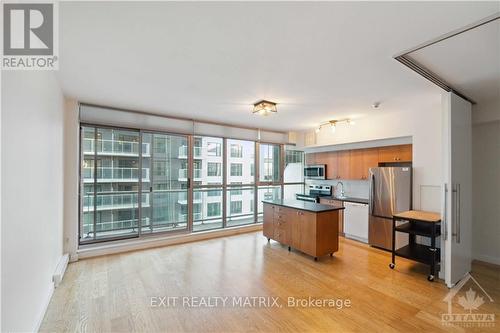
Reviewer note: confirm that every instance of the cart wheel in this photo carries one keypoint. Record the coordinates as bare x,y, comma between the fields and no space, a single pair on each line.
315,258
289,248
391,265
430,278
331,254
268,240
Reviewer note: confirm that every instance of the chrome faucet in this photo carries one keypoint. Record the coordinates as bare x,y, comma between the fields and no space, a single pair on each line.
342,193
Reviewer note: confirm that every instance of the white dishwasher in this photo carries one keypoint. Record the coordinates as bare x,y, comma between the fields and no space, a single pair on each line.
356,221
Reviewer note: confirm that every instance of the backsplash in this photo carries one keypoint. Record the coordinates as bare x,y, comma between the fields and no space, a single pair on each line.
352,188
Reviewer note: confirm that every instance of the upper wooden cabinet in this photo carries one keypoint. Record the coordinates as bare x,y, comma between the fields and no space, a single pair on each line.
332,165
401,153
343,167
361,161
355,163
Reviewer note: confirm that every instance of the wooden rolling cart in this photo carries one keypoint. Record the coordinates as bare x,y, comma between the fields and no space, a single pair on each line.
417,223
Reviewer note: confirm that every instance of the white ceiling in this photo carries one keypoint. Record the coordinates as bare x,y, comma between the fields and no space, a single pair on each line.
211,61
470,63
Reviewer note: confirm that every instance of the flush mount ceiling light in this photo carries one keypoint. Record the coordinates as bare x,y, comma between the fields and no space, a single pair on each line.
264,108
333,124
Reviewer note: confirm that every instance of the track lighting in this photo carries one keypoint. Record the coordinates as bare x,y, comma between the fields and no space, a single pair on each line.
333,124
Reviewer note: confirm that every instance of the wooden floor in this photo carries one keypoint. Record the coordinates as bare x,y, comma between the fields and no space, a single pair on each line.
113,293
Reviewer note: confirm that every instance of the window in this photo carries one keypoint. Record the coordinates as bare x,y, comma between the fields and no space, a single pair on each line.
240,155
294,166
213,209
236,169
214,149
210,157
236,207
236,150
214,169
269,163
239,209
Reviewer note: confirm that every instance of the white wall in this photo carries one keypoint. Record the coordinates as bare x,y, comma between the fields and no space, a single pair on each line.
71,176
486,192
32,195
423,126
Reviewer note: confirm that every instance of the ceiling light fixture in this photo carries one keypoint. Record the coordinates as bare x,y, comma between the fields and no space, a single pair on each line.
333,124
264,108
376,105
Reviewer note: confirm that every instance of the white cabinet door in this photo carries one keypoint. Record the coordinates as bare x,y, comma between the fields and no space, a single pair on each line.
457,216
356,221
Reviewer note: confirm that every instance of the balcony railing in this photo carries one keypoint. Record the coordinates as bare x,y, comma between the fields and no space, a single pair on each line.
183,173
114,174
182,197
108,201
183,152
114,147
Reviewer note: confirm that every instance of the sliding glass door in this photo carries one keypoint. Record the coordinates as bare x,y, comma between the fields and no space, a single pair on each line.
110,183
164,205
132,183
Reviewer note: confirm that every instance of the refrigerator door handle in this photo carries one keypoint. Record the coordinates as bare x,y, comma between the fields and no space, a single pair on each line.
453,210
372,193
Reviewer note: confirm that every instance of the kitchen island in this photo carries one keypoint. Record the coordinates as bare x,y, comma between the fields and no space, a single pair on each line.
309,227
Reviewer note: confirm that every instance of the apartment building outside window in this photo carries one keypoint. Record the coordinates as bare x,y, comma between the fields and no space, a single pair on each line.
236,169
236,151
213,209
214,169
236,207
214,149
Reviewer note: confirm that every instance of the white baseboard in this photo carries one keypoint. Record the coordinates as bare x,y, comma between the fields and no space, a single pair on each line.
60,270
487,258
102,249
44,308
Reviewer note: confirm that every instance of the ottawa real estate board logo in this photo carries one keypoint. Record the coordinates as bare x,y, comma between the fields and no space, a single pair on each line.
467,305
30,40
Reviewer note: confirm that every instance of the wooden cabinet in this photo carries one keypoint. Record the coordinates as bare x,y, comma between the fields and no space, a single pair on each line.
343,167
332,165
313,233
361,161
391,154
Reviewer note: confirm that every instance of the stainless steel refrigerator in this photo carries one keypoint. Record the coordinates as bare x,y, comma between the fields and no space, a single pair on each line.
390,192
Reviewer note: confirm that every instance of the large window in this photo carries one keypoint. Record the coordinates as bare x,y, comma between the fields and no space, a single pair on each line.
135,183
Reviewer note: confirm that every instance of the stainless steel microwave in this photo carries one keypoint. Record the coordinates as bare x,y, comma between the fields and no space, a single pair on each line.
317,171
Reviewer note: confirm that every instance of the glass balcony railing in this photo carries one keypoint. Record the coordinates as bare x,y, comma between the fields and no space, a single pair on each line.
114,174
183,152
183,173
109,201
114,147
182,197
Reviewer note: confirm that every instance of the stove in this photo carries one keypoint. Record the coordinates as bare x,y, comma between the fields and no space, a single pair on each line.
315,192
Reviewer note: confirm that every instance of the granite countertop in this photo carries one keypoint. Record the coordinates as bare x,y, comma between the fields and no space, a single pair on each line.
304,205
348,199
